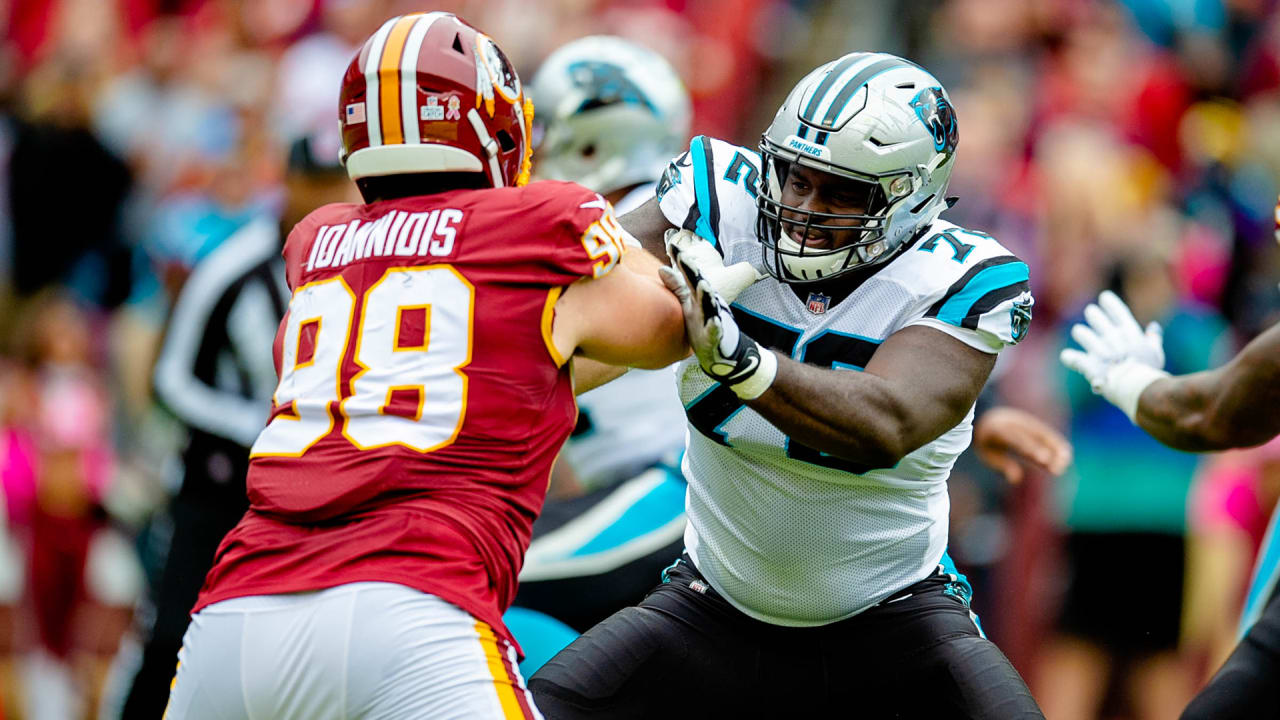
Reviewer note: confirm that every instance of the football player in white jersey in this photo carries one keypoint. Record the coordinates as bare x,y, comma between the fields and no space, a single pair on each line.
825,411
611,114
1236,405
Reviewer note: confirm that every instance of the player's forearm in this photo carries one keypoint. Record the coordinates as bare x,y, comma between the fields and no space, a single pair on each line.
643,263
590,374
1176,412
647,224
1233,406
855,416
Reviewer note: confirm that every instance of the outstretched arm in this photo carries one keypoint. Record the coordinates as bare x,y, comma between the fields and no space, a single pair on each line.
919,383
589,374
622,318
648,225
1232,406
1236,405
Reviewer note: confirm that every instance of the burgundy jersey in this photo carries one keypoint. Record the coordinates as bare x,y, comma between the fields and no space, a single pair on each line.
421,401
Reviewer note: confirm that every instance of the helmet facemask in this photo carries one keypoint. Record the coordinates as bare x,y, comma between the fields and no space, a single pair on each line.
861,235
870,119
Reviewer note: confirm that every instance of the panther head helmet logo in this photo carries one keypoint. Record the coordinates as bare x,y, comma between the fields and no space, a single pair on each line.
936,113
604,83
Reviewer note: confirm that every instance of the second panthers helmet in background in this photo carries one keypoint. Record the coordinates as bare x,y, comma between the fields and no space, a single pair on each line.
871,117
611,114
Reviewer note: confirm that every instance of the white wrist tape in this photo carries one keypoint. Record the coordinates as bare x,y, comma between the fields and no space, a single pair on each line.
1124,383
760,380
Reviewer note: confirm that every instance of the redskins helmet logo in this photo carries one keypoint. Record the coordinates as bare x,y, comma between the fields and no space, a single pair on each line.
938,116
494,74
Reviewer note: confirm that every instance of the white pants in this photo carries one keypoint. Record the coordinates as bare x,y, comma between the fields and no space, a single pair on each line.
363,650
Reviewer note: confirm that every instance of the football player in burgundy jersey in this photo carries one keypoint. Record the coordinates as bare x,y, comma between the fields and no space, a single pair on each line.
424,391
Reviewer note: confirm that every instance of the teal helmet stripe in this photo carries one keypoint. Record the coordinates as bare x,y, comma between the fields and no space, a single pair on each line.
827,81
857,81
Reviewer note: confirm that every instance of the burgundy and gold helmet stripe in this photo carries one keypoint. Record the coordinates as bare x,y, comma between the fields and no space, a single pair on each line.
391,76
404,103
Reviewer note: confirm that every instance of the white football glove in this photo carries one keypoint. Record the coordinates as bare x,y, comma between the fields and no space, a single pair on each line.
728,282
724,352
1119,359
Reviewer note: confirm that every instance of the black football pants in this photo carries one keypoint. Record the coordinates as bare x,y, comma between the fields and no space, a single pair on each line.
685,651
1248,684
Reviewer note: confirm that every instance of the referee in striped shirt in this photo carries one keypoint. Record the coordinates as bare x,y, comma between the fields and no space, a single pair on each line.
215,372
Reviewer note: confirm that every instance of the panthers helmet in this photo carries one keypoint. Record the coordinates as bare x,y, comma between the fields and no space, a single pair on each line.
871,117
429,93
613,114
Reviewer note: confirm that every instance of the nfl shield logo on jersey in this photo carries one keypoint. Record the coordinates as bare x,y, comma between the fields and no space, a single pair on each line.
818,303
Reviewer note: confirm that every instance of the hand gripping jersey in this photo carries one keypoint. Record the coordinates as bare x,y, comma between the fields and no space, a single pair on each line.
788,534
421,401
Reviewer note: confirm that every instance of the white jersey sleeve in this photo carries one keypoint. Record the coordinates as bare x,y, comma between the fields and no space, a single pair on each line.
980,294
711,191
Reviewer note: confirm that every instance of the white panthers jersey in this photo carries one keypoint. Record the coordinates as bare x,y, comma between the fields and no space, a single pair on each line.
628,425
788,534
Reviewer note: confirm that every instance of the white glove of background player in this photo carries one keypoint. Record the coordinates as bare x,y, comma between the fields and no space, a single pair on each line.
1119,359
728,282
725,354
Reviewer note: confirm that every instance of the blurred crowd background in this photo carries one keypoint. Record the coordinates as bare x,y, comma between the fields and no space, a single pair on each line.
1131,144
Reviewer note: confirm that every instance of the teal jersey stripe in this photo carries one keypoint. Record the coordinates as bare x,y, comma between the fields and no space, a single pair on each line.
964,592
1265,575
949,567
658,507
957,307
703,190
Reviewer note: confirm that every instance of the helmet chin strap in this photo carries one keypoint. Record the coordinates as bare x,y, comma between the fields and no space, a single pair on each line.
812,267
490,146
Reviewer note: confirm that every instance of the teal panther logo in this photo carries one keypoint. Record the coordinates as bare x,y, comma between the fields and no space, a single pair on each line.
1020,316
936,113
604,83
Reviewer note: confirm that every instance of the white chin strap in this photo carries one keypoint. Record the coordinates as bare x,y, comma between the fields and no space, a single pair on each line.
490,146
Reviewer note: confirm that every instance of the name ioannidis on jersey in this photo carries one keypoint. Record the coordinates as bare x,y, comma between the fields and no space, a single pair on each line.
396,233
